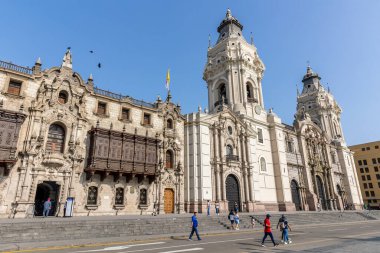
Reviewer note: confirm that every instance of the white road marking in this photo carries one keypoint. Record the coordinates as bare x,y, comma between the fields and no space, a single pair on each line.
182,250
120,247
338,229
187,245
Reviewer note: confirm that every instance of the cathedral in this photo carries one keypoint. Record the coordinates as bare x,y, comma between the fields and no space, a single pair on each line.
61,137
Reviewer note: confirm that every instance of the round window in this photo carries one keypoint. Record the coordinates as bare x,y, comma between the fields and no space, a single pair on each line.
229,129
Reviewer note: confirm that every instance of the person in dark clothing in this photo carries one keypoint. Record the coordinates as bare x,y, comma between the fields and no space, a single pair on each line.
194,227
231,217
281,225
236,208
268,231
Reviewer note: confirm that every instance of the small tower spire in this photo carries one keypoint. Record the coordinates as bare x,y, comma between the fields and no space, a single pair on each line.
209,41
37,67
67,59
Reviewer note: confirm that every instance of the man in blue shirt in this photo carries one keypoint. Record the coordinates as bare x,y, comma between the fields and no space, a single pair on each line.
194,227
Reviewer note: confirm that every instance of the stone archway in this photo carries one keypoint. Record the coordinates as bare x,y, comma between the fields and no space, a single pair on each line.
45,190
232,192
321,193
296,198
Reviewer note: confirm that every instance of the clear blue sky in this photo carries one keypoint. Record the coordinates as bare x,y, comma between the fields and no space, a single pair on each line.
136,41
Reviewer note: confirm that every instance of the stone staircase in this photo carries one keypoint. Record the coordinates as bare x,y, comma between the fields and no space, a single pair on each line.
55,229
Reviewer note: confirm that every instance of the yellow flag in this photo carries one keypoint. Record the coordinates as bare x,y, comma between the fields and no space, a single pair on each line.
168,80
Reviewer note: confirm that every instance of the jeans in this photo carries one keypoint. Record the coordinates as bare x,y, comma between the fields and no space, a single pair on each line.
208,211
46,212
194,229
286,235
217,211
271,237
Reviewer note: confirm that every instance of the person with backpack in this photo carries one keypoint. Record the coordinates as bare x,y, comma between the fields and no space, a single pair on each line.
231,217
286,232
281,225
268,231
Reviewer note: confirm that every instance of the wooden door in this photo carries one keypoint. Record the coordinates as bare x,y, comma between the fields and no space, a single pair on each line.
169,201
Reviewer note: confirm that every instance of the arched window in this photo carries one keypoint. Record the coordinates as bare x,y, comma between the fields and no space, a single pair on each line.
249,91
222,92
229,150
263,165
119,197
169,123
56,139
62,97
143,197
169,159
92,197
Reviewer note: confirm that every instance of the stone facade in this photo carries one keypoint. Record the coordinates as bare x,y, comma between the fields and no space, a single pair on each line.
112,153
239,154
62,137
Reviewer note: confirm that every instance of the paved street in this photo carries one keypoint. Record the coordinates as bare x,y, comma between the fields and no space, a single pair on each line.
350,237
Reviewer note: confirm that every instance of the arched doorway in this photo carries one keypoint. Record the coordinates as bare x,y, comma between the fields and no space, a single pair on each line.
45,190
169,201
295,195
232,192
321,193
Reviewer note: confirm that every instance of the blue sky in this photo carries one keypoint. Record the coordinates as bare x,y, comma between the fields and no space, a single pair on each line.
136,41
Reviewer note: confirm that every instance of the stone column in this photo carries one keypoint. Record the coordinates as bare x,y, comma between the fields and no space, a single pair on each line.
216,169
250,179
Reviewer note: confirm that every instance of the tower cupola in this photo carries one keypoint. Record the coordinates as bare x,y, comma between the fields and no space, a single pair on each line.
229,27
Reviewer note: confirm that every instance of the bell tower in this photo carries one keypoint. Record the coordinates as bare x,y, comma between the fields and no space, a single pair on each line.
320,105
233,71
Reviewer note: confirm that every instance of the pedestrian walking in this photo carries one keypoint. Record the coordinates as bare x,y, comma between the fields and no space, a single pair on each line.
237,220
281,225
217,208
47,207
253,222
208,207
268,231
319,207
286,232
236,207
194,227
231,217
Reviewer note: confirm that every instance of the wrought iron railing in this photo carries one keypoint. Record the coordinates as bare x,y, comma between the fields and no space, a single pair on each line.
113,95
232,158
14,67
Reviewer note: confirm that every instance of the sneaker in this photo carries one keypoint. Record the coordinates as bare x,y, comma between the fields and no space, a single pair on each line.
282,241
285,243
276,245
189,239
199,239
262,245
290,242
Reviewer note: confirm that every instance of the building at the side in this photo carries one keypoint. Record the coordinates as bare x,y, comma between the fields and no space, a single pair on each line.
367,161
62,137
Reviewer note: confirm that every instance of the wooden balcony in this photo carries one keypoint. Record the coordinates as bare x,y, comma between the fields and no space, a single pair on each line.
121,154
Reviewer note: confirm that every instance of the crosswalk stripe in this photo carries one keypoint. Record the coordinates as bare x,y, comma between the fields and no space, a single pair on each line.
182,250
121,247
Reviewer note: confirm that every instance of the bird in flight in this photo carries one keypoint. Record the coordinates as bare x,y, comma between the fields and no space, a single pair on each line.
99,65
91,51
